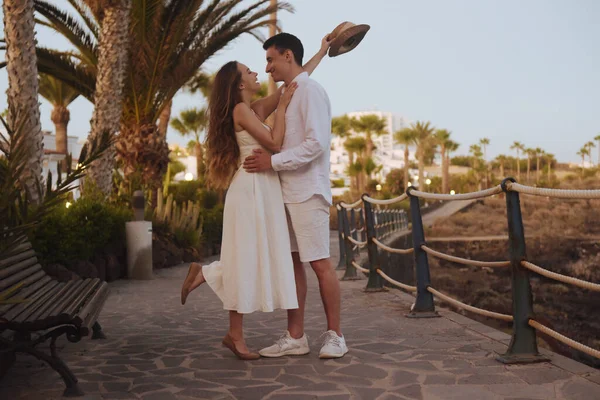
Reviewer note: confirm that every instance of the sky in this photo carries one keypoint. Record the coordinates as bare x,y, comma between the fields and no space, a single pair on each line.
508,70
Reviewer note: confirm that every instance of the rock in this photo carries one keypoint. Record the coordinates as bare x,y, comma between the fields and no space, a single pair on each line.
100,262
114,268
60,272
85,269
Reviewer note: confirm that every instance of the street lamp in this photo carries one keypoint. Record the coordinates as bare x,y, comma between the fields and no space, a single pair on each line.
378,187
189,176
428,181
452,192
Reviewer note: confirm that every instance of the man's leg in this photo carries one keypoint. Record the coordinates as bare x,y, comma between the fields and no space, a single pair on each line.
296,316
329,286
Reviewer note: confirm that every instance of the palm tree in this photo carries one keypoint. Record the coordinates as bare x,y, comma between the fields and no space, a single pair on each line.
356,146
501,159
442,137
519,147
597,138
484,142
590,145
582,153
405,136
538,154
423,132
193,122
169,42
165,118
60,95
369,125
451,147
530,153
113,52
475,150
23,86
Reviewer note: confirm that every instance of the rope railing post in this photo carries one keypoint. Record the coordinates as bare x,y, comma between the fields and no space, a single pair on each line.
350,273
523,345
340,224
353,231
363,232
424,306
375,282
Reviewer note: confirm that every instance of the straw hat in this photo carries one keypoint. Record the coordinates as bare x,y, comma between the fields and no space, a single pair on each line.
347,37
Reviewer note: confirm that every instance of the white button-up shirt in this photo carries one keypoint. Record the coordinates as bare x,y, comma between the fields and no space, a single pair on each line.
303,162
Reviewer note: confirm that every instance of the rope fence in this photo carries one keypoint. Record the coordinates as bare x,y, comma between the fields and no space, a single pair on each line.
396,283
378,224
561,338
392,250
459,304
558,193
459,260
561,278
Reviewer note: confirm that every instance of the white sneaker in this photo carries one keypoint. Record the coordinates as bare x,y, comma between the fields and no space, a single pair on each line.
287,346
334,346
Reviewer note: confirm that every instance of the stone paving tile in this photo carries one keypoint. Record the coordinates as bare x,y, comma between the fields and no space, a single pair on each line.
158,350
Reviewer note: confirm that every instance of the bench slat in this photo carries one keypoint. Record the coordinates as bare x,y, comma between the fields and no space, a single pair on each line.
81,298
8,264
26,292
15,311
42,312
65,300
16,278
43,302
22,249
90,312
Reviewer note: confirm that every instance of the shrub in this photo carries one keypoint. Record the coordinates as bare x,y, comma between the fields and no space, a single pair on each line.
185,191
212,231
87,227
338,183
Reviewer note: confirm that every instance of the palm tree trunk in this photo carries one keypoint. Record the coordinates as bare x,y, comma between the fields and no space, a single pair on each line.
165,116
537,172
549,169
528,167
518,167
23,85
60,117
502,169
113,49
406,177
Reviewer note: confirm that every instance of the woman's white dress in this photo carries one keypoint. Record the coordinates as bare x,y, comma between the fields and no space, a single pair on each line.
255,271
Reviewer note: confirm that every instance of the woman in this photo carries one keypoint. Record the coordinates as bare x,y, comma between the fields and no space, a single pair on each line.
256,270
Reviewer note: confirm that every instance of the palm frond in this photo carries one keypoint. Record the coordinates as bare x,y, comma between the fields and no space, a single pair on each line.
71,29
56,91
60,66
86,15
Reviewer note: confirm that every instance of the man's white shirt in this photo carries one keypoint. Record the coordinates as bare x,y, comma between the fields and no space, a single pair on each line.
303,162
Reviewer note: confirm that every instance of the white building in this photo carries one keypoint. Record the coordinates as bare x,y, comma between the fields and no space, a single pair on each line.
387,153
51,157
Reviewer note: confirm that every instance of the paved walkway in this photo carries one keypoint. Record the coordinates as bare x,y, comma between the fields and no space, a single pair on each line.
158,350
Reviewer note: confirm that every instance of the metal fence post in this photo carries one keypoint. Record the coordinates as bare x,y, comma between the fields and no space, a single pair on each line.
353,231
340,224
350,273
523,345
424,306
361,220
375,282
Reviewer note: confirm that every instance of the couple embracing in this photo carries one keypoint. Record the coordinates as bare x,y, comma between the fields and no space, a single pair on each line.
276,214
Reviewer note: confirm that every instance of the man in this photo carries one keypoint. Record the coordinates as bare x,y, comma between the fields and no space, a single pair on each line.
303,166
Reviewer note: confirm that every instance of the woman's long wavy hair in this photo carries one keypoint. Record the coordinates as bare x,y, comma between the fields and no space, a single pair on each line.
223,151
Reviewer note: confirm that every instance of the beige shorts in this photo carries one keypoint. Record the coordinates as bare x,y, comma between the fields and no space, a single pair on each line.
308,223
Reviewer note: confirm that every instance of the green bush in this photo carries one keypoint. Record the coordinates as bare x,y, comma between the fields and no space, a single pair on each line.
212,227
209,199
79,232
185,191
338,183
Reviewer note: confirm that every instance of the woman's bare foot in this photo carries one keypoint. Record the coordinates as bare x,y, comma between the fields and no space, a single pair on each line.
194,278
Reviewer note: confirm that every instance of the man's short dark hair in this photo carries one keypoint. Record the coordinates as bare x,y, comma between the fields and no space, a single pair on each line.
286,41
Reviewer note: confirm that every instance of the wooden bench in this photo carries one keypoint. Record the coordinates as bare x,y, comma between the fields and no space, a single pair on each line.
49,310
